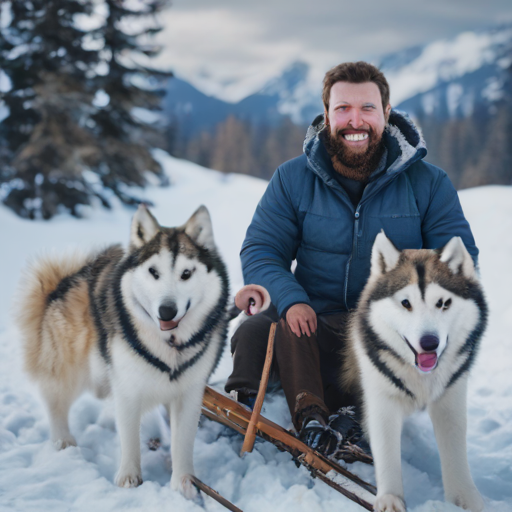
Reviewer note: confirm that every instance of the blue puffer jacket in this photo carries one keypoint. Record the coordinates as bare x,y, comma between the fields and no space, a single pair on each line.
306,215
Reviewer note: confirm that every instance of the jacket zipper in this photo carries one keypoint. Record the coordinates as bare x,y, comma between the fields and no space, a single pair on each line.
354,249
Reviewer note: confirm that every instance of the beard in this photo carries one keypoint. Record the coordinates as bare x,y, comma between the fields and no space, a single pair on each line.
355,165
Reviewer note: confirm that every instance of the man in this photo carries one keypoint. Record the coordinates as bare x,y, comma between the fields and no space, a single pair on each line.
362,171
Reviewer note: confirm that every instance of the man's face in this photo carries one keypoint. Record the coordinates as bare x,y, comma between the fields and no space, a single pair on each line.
354,111
356,122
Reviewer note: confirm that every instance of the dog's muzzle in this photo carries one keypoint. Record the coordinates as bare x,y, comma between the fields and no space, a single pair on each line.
426,361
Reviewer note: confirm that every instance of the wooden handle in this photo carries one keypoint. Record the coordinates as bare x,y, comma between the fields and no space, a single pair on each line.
250,435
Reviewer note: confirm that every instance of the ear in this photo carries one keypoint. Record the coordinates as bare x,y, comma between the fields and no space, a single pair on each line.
252,299
384,255
326,116
144,227
387,112
457,257
199,228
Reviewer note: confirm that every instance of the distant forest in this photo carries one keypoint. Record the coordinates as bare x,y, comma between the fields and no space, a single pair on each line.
474,151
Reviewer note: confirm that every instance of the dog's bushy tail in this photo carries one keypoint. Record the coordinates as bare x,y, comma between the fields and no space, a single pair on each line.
40,279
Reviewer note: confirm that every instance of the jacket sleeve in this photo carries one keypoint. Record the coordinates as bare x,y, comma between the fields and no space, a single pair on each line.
271,244
445,219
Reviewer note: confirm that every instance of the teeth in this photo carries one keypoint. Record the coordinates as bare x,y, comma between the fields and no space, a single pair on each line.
356,136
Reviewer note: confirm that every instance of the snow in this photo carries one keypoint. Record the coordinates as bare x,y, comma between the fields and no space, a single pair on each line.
101,99
35,477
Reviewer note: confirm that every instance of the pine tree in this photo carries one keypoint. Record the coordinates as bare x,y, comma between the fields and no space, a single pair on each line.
17,80
44,140
67,116
125,86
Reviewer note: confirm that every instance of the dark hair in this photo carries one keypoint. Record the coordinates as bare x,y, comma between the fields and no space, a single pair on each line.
355,73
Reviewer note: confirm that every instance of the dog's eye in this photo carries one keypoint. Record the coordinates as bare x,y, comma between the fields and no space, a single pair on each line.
447,304
439,304
153,272
186,274
406,304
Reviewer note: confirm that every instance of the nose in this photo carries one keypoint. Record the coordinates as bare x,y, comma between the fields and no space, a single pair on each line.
167,311
429,342
355,118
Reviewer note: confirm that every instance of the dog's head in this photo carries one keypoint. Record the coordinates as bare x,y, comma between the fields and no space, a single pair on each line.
174,277
420,301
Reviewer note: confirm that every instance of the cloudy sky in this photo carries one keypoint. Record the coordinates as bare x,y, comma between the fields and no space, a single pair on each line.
224,42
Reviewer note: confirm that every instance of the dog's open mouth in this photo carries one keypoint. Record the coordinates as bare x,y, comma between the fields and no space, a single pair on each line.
167,325
426,361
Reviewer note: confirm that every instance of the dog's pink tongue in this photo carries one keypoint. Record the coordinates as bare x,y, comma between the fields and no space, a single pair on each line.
167,325
427,362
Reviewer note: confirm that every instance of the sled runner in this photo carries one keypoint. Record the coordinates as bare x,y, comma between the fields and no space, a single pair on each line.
221,408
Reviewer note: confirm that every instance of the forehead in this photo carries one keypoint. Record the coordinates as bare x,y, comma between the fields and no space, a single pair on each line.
170,240
179,244
355,94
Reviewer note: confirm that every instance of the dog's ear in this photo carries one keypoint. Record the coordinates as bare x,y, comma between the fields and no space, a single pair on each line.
457,257
199,228
144,227
384,255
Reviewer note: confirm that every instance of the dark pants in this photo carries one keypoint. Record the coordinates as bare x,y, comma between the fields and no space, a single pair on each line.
308,367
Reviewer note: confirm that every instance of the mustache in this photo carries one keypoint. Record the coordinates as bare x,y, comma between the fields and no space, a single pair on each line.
341,131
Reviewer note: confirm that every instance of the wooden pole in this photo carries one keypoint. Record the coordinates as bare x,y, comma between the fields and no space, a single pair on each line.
214,494
250,435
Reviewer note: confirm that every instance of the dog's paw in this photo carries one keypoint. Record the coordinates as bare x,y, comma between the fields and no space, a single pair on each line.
468,500
128,479
389,503
64,442
186,486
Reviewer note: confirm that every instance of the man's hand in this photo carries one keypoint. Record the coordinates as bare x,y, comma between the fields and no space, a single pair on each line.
302,320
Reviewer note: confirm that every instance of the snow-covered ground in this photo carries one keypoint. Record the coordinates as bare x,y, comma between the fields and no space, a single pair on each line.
35,477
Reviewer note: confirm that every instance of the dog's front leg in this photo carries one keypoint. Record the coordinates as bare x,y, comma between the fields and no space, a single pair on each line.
384,418
185,409
449,416
128,415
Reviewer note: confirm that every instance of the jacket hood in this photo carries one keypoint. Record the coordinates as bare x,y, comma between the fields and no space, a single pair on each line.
403,139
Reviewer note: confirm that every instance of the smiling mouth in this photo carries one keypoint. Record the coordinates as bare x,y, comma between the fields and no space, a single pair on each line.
355,137
426,361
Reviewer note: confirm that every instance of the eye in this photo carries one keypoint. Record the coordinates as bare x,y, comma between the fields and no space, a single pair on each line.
447,304
186,274
406,304
153,272
439,304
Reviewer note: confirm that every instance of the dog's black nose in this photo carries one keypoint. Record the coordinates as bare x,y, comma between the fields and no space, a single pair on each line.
429,342
167,311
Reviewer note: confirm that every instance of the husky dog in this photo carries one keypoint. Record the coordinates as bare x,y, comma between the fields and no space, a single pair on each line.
148,324
413,339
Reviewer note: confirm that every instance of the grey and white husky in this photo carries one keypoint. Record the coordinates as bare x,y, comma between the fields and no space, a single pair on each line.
413,340
147,324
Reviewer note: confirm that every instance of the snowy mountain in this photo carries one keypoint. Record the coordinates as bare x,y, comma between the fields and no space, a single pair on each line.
452,78
34,477
445,78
